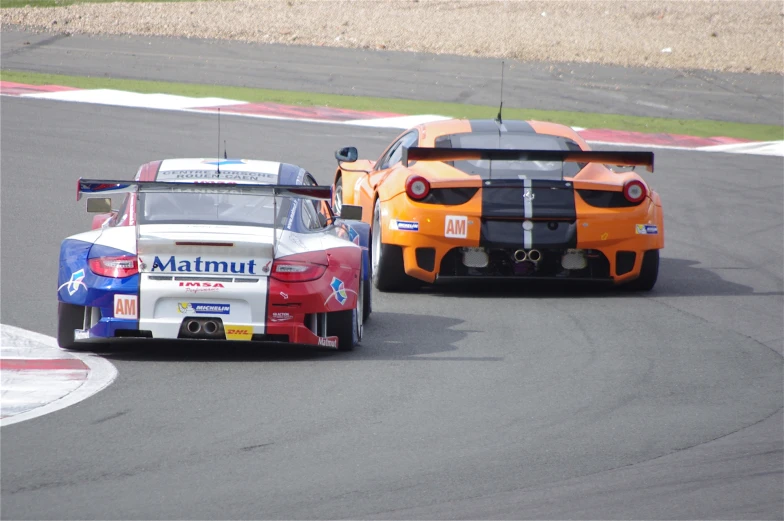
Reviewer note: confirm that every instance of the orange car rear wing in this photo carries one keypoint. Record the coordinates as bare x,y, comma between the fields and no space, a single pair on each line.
620,158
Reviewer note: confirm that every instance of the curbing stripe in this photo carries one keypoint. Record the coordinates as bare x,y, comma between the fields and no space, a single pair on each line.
365,119
28,394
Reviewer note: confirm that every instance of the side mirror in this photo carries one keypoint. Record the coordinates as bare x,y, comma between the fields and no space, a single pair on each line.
351,212
347,154
99,205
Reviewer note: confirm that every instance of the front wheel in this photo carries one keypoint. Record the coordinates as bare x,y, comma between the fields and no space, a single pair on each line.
69,317
648,273
337,203
388,270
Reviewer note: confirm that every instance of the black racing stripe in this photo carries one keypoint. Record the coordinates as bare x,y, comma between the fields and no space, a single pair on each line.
491,125
505,199
552,200
552,210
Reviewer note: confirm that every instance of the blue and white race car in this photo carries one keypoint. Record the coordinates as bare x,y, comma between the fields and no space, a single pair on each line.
215,249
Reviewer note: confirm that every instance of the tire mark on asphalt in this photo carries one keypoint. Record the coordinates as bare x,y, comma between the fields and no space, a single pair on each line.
29,47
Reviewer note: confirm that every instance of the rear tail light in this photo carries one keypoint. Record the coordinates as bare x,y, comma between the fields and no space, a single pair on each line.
300,268
115,267
635,191
417,187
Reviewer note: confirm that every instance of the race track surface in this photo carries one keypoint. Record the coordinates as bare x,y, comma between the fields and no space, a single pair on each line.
463,402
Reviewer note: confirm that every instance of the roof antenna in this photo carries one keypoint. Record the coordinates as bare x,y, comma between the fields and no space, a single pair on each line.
224,150
218,162
501,108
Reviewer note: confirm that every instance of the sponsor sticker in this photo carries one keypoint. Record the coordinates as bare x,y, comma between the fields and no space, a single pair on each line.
76,282
203,309
327,341
456,227
238,332
404,226
281,316
125,306
338,290
647,229
199,265
200,287
81,334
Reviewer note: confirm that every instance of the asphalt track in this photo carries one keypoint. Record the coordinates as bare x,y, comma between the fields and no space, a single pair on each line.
480,402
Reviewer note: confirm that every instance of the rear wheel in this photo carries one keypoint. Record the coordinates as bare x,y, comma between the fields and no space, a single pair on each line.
348,325
388,270
367,298
69,317
648,273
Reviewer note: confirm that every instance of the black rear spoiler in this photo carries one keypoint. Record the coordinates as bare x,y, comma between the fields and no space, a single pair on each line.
500,154
109,187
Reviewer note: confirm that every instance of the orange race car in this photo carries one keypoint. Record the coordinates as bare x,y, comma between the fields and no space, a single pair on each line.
462,199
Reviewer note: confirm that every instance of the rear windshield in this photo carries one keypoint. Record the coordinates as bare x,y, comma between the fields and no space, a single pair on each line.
212,208
512,169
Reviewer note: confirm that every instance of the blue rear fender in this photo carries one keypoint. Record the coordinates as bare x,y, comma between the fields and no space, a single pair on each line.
78,285
361,230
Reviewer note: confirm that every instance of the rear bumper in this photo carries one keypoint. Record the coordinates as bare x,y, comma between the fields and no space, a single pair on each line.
431,234
110,329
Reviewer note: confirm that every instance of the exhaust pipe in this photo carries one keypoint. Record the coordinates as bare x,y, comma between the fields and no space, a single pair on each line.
210,327
520,256
193,327
535,255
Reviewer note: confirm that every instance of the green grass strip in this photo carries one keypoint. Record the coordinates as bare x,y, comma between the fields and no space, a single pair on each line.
702,128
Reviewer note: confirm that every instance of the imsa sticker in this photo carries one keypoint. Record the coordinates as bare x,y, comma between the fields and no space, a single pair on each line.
647,229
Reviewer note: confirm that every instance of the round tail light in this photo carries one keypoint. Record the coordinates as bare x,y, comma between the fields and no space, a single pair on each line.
635,191
417,187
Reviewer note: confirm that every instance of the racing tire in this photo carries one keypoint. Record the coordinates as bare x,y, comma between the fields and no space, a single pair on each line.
367,300
387,267
337,203
648,273
69,317
347,326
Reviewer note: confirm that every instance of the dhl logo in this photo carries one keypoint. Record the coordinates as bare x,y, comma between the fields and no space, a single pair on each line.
238,332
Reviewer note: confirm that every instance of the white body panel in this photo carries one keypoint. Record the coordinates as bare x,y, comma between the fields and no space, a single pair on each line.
226,281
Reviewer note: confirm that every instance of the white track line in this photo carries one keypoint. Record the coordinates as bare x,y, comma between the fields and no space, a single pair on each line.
17,343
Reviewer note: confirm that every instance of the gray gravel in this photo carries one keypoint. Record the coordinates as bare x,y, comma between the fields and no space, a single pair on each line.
729,36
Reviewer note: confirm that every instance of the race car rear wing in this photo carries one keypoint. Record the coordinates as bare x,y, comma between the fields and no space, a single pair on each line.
103,187
499,154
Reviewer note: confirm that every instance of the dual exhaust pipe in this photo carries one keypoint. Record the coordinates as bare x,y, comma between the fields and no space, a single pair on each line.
202,328
530,255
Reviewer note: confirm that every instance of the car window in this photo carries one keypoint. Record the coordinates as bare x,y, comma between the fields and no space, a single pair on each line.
395,152
512,140
311,217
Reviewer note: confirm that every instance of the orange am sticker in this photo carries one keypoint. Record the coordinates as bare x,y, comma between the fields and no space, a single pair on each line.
125,306
238,332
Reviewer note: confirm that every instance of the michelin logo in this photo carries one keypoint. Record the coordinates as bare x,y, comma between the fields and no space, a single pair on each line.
405,226
202,309
647,229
